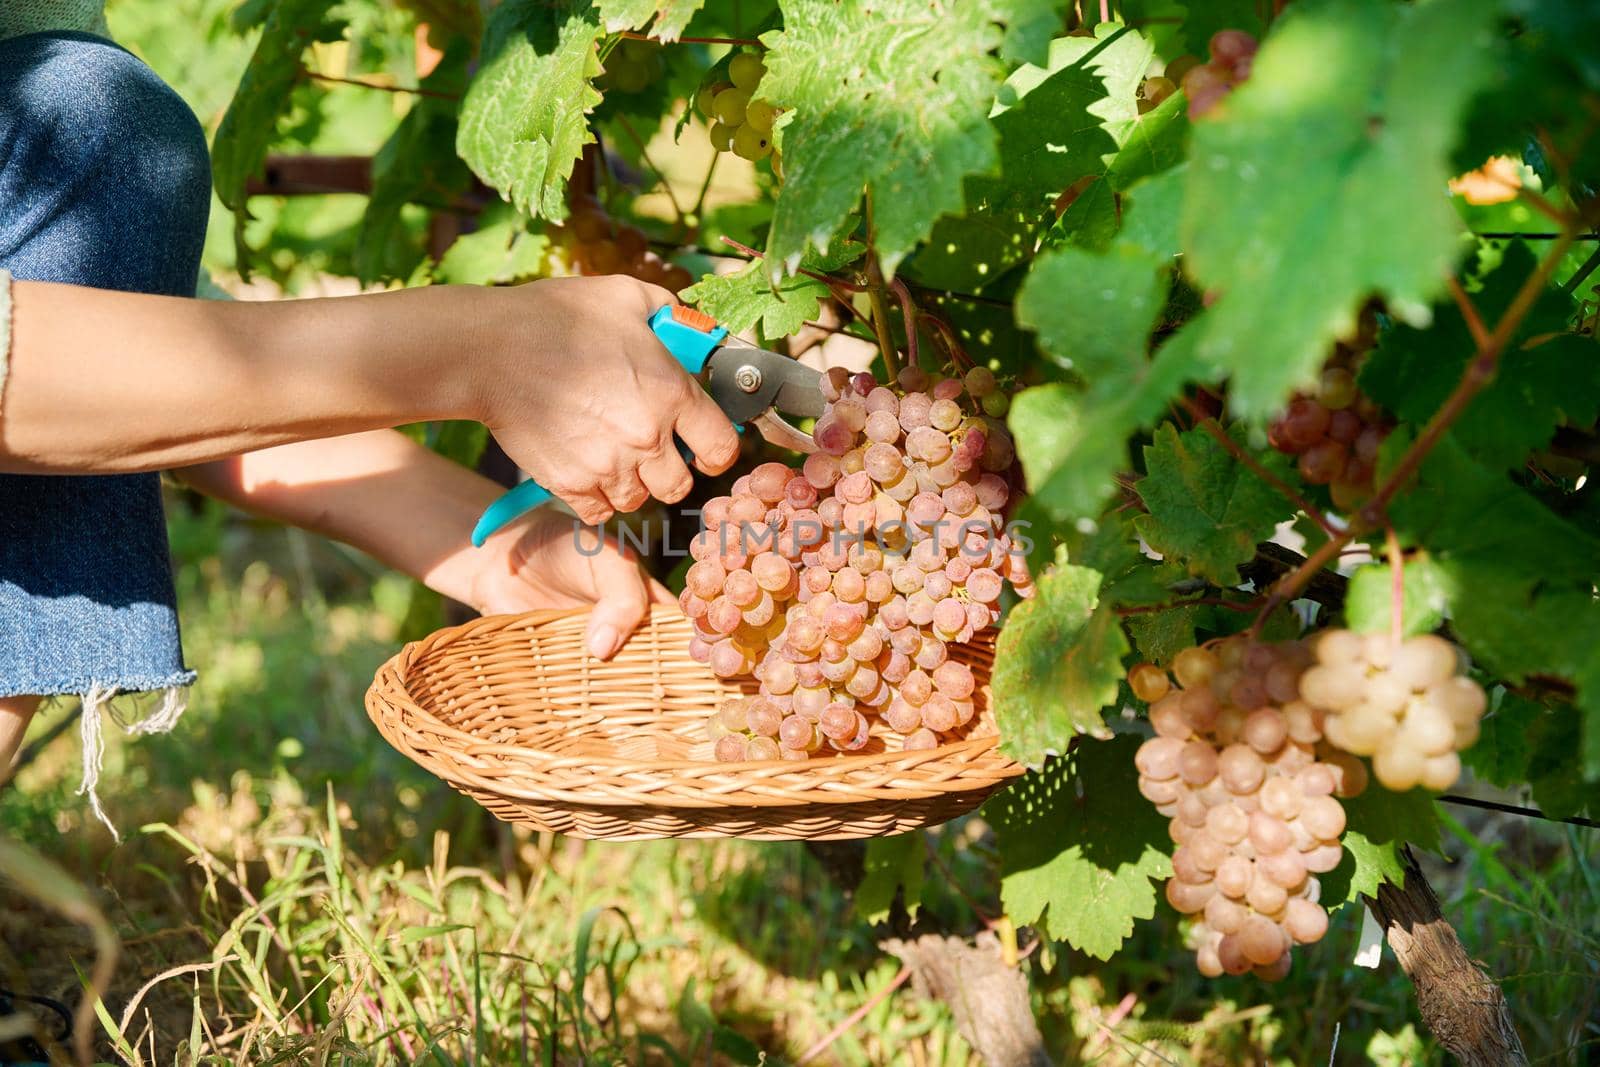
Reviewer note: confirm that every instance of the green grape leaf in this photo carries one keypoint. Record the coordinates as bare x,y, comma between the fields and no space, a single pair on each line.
1206,509
892,864
1093,313
494,254
1354,107
1080,849
1057,124
1556,780
1072,441
1057,664
1500,755
1029,28
1378,824
417,163
914,115
523,122
1161,635
748,298
671,16
1538,384
1518,578
1370,595
250,125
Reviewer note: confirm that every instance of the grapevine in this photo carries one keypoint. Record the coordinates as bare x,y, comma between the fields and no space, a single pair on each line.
1179,294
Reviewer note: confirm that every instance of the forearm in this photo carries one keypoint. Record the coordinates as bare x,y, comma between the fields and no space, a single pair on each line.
379,492
103,381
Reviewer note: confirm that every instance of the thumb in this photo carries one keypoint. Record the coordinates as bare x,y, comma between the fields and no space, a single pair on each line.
621,602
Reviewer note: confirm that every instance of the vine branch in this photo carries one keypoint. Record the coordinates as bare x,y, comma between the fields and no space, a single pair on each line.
1480,372
362,84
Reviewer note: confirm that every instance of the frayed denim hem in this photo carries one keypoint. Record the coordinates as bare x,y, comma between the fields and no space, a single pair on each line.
99,700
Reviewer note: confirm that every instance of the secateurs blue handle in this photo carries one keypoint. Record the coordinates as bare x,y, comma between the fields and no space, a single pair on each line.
691,336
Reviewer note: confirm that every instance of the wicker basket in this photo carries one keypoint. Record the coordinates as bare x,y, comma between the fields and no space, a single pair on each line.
510,711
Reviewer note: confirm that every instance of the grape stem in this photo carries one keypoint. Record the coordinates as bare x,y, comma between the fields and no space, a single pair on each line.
826,279
875,287
635,35
1480,372
1211,426
908,312
362,84
1397,585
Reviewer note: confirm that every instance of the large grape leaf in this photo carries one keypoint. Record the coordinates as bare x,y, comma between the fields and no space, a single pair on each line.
1378,824
1500,755
891,97
1539,382
1517,577
1057,663
497,252
1072,441
1057,123
1321,181
671,16
1093,312
1556,779
1369,598
416,164
1205,508
523,122
250,125
1080,849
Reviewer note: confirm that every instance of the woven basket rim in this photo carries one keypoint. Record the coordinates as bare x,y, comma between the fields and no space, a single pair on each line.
475,744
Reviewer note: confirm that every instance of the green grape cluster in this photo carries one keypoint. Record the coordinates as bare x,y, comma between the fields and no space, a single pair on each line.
633,66
740,123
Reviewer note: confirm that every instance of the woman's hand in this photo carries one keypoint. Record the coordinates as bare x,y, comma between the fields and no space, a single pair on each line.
546,560
395,500
584,397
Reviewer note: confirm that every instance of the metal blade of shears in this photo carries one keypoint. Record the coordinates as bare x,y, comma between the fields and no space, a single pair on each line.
748,383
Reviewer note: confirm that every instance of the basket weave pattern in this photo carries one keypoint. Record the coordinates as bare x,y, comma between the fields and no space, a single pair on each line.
511,711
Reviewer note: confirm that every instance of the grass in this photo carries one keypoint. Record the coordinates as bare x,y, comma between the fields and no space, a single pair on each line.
302,894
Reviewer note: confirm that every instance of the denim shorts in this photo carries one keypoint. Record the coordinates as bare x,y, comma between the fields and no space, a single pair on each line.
104,182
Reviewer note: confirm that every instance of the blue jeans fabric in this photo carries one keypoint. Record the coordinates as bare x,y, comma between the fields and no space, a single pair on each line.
104,182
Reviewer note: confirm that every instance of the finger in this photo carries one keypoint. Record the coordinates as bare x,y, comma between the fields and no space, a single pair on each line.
667,477
621,603
708,433
656,297
626,492
591,507
660,594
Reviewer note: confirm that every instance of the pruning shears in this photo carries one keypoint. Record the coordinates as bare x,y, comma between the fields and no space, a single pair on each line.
749,384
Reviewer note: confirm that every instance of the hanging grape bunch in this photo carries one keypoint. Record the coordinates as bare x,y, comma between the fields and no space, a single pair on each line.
1239,767
847,587
1335,431
740,122
1205,84
633,66
1408,707
600,244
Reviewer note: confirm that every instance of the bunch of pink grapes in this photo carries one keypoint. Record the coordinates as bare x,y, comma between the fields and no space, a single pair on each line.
843,586
1240,767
